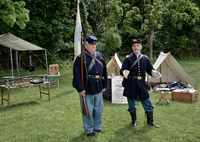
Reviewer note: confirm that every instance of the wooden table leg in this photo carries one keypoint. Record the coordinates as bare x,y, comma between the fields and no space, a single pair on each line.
40,91
48,91
8,98
50,81
1,95
160,97
163,96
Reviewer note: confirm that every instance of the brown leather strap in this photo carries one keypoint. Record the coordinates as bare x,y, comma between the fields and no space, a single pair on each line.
94,58
135,62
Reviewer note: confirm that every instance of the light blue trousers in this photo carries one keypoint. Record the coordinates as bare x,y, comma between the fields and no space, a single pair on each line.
95,109
147,105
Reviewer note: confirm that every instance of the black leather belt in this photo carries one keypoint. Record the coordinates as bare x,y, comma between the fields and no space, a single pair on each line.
137,77
94,76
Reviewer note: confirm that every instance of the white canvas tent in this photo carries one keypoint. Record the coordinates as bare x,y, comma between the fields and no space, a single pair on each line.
13,42
114,66
171,71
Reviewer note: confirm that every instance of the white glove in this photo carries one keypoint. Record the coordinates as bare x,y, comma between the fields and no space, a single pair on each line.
156,74
126,73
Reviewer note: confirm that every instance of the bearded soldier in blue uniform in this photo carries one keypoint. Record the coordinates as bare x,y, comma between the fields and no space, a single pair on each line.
135,83
96,77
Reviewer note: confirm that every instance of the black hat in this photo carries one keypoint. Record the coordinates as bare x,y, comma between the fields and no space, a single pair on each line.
136,41
91,39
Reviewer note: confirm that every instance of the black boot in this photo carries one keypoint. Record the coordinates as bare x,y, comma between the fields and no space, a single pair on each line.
134,118
150,119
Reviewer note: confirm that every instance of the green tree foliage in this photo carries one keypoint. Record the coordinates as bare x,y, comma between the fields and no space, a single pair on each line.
161,24
101,18
153,14
51,24
14,13
180,30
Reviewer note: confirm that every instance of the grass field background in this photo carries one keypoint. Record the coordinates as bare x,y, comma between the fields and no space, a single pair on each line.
31,119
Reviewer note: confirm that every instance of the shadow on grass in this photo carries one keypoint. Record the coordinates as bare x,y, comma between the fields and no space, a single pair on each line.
84,138
5,106
61,94
130,133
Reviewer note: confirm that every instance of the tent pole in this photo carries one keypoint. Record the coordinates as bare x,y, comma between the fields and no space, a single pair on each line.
46,60
11,55
16,54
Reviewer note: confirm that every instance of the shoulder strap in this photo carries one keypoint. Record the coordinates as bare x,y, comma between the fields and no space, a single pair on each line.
136,61
94,58
92,63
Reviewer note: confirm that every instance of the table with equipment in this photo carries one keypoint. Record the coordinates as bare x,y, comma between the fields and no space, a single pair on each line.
18,85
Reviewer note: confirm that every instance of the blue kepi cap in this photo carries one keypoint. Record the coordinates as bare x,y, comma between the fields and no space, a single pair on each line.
136,41
91,39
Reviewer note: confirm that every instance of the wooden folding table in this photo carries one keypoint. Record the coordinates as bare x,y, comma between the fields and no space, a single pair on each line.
166,90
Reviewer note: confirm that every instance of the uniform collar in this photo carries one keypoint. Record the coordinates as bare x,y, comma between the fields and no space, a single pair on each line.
136,55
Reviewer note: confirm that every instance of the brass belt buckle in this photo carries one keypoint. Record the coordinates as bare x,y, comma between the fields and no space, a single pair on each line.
97,76
139,77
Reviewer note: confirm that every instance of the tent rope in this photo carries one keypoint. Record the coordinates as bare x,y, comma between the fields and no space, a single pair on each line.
39,59
59,63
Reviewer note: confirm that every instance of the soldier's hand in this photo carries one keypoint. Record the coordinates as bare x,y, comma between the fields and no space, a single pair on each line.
126,73
82,94
104,89
156,74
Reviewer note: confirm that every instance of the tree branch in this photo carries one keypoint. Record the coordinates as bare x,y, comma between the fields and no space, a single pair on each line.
103,21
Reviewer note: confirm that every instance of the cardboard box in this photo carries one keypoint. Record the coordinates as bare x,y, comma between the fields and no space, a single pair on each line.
53,69
180,95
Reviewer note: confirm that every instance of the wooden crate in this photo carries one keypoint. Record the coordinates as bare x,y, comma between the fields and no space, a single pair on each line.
179,95
53,69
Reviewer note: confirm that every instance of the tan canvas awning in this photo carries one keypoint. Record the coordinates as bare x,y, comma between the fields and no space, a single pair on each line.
17,43
13,42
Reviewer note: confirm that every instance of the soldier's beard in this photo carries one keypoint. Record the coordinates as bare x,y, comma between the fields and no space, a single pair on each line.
137,52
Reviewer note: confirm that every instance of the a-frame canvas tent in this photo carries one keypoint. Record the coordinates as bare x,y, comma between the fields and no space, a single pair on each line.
114,66
13,42
171,71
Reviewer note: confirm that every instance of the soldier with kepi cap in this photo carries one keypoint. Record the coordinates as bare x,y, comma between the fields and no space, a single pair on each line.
135,84
96,84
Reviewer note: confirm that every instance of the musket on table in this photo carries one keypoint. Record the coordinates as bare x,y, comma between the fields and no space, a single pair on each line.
83,63
24,77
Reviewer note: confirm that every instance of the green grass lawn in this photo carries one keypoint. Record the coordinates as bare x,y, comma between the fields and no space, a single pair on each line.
32,119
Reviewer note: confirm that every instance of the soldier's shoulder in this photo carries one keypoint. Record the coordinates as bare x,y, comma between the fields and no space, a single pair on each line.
146,56
99,54
127,56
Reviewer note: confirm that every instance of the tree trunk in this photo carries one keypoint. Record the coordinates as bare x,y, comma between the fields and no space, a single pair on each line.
150,41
